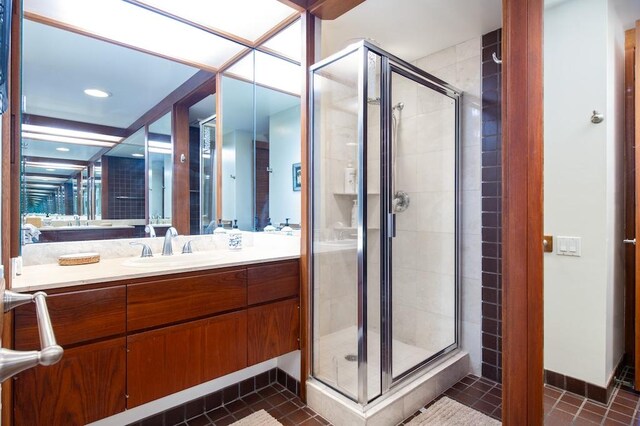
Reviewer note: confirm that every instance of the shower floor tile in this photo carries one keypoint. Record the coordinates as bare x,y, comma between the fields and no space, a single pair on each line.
337,368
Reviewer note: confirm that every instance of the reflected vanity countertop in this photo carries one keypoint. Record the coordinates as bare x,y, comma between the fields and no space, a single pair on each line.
49,276
83,227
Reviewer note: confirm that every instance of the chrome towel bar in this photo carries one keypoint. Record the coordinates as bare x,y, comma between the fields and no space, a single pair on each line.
13,362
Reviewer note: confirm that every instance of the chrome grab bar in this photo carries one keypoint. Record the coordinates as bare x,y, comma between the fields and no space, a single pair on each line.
13,362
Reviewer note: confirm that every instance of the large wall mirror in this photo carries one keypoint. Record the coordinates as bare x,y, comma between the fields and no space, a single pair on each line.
104,127
261,142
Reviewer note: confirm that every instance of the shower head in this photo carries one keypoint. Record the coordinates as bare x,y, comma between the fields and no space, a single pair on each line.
399,106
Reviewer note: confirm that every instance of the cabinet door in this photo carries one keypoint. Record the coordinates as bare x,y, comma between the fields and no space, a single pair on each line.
273,281
76,317
88,384
273,330
177,299
170,359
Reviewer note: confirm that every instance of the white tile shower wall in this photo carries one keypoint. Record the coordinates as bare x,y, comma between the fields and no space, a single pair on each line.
460,65
425,165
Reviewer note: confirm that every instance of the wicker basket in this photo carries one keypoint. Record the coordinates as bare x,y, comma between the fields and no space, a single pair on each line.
78,259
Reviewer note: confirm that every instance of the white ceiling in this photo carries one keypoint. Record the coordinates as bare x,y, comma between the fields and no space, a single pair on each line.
58,65
412,29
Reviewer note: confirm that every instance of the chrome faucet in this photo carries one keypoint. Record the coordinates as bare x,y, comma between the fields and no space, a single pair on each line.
149,229
167,248
77,219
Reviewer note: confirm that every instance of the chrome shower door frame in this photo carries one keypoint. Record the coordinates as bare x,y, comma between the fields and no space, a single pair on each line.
389,64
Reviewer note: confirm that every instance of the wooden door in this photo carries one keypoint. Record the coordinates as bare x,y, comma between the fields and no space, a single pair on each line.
171,359
88,384
273,330
633,117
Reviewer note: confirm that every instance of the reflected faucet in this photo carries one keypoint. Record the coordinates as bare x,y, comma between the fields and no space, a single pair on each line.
149,229
77,219
167,248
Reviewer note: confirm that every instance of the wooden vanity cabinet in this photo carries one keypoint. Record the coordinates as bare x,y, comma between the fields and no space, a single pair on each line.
129,343
274,329
170,359
87,384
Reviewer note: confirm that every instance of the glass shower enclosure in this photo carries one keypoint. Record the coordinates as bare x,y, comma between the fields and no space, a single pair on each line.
385,221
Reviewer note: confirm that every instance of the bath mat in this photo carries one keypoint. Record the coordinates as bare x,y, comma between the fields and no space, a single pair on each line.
447,412
259,418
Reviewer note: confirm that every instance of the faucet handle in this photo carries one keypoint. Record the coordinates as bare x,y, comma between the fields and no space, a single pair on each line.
186,248
146,250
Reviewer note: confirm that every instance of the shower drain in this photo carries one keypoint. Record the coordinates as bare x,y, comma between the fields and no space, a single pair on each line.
351,357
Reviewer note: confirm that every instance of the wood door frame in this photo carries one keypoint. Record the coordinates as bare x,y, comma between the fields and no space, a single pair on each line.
636,131
522,203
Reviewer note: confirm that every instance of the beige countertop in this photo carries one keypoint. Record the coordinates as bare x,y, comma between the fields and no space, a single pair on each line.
83,227
48,276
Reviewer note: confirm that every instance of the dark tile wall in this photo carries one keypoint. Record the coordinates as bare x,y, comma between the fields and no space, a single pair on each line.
491,208
126,179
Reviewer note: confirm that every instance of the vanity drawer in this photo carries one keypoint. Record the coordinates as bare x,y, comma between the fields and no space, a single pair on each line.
77,316
178,299
273,281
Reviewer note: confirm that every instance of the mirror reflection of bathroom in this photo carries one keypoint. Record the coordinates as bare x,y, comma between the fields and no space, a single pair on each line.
590,349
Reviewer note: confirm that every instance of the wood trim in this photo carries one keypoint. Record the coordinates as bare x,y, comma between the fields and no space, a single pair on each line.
180,189
332,9
629,196
188,88
636,120
60,123
299,5
308,58
67,27
219,141
522,266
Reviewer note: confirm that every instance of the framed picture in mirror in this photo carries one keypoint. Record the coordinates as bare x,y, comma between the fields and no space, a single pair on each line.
297,177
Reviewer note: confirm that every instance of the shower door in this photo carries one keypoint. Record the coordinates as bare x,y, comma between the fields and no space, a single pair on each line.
384,220
422,203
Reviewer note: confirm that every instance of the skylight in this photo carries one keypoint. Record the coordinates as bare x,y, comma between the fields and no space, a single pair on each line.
248,19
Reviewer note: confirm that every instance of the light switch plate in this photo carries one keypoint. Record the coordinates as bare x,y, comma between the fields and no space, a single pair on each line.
569,246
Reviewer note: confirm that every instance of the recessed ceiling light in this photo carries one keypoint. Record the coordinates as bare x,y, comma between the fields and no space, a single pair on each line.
137,155
50,170
66,139
97,93
62,149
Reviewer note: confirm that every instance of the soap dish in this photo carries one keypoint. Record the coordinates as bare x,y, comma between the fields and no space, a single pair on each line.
78,259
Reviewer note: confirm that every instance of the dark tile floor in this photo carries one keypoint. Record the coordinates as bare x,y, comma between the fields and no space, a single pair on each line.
561,407
282,404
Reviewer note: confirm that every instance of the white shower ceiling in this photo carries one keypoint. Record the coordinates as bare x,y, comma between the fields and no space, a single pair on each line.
412,29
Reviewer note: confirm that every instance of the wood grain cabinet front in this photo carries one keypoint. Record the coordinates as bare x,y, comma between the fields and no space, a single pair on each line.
273,330
88,384
170,359
273,281
78,316
174,300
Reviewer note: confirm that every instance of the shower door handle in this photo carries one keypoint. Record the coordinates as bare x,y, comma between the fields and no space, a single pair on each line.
391,224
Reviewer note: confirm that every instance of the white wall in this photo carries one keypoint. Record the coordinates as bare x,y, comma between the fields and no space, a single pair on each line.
237,191
284,151
583,300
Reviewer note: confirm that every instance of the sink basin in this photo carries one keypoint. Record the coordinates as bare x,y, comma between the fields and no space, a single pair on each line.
174,261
